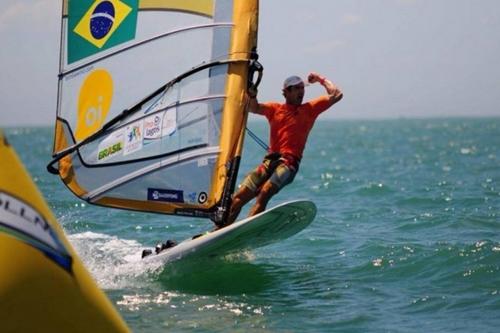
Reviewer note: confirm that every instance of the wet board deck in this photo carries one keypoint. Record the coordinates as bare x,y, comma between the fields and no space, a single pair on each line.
270,226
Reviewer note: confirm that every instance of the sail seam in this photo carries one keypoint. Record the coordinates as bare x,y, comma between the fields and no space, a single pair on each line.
143,42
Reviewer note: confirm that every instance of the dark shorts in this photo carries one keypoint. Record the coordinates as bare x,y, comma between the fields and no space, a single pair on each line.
274,168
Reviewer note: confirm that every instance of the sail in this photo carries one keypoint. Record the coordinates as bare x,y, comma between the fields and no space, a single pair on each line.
44,285
151,102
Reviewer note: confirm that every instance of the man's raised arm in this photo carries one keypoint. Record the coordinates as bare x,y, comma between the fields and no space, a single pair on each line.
334,92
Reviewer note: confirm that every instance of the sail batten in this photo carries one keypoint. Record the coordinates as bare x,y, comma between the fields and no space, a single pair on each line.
151,102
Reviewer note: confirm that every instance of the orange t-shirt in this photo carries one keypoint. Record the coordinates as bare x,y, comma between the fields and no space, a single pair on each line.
290,125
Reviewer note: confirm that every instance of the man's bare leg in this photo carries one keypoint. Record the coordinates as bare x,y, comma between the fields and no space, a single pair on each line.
240,199
266,193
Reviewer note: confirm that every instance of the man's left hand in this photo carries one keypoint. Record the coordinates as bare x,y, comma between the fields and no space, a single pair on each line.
314,77
252,92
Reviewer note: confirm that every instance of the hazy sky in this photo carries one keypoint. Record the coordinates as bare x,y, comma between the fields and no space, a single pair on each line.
392,58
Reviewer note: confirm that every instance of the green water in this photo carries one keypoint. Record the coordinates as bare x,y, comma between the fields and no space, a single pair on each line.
407,238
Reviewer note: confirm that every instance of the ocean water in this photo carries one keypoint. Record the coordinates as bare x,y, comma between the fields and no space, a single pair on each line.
407,238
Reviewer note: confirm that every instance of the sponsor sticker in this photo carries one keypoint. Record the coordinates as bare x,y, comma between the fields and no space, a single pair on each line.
169,122
165,195
152,127
133,138
20,220
111,146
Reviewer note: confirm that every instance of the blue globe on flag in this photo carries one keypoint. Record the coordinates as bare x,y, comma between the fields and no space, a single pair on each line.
102,19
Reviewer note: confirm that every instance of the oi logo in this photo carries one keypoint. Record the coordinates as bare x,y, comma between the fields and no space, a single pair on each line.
94,103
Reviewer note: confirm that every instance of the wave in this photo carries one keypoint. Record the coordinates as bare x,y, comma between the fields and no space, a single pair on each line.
113,262
438,268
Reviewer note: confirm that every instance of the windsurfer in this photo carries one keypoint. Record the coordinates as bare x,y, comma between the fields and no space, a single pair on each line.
290,125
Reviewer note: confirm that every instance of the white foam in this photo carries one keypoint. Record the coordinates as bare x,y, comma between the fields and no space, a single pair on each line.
113,262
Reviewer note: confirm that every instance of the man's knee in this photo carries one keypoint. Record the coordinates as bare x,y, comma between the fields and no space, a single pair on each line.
244,194
236,203
268,190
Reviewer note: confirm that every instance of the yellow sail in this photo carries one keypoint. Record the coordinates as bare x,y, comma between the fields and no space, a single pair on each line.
44,286
151,108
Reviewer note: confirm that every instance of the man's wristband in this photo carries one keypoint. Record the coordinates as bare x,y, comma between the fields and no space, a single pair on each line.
322,80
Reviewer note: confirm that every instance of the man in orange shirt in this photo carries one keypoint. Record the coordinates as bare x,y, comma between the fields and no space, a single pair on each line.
290,125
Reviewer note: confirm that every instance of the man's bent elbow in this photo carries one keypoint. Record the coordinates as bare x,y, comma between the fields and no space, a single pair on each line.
336,97
340,96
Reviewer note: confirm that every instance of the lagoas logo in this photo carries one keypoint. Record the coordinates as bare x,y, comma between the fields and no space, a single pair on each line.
99,25
152,127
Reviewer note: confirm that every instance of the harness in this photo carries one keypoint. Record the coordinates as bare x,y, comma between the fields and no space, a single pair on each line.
273,160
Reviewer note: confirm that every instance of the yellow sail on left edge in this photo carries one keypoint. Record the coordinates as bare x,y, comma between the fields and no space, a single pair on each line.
44,286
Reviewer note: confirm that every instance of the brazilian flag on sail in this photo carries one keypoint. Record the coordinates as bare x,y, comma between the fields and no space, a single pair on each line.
97,25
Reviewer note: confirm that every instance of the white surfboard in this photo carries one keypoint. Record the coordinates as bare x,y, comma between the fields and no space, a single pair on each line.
270,226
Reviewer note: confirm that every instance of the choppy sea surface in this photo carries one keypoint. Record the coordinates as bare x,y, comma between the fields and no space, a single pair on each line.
407,238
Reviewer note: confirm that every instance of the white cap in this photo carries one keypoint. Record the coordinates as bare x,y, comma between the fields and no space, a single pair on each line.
292,81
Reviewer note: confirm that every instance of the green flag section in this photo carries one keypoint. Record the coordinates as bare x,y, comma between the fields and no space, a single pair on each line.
95,26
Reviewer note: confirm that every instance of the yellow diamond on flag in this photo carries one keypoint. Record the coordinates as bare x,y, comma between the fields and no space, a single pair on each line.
101,21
